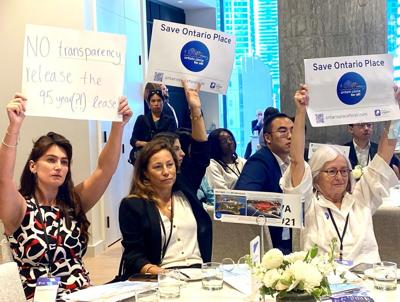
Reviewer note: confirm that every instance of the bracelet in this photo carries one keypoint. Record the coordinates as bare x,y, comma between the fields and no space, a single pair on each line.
196,117
9,146
148,268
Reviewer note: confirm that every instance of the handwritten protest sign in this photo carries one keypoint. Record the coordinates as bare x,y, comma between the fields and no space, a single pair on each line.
73,74
348,90
199,55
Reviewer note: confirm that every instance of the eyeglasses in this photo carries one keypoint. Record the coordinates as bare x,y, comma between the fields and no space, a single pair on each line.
229,265
363,125
333,172
283,132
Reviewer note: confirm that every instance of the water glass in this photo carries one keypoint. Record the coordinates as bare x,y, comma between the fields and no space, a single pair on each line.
169,284
212,276
147,296
385,275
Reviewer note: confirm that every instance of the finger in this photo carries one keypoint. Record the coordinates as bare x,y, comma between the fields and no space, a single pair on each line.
19,95
198,86
184,84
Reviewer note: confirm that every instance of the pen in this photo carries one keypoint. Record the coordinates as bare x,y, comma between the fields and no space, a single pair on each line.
183,274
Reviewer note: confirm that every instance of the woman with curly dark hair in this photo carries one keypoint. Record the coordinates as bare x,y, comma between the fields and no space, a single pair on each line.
46,218
225,165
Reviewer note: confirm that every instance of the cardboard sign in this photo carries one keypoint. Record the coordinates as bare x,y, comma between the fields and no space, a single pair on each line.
199,55
350,90
73,74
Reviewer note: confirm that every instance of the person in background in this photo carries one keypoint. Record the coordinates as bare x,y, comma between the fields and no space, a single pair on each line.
162,222
225,165
168,109
45,218
257,124
362,150
146,126
264,169
335,206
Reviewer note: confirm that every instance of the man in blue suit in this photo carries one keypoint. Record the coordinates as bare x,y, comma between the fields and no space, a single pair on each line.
362,150
264,169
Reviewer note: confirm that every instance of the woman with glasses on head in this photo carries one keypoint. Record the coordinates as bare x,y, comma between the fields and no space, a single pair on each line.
335,206
225,165
146,126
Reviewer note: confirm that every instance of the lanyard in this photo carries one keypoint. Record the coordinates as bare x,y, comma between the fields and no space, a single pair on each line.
223,164
341,237
167,240
46,238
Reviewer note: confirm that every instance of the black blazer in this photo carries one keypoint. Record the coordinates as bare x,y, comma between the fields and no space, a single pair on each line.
373,149
145,128
139,220
262,173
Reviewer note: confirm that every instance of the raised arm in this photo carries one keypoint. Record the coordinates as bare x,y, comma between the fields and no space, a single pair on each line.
386,146
196,116
12,203
92,188
298,136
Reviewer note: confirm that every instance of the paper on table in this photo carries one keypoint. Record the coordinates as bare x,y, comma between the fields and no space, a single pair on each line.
110,292
239,277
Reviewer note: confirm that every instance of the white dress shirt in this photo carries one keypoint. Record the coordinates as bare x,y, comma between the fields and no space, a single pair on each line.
218,178
362,154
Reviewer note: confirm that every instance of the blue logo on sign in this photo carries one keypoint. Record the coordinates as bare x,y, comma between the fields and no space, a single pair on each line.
212,85
195,56
378,112
351,88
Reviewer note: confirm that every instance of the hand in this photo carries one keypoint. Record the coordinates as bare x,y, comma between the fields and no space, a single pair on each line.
16,110
192,95
124,110
301,98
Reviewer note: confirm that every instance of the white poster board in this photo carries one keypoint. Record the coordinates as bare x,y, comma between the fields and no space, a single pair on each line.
262,208
314,146
349,90
199,55
73,74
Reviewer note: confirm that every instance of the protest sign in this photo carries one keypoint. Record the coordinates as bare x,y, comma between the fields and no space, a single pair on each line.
73,74
349,90
199,55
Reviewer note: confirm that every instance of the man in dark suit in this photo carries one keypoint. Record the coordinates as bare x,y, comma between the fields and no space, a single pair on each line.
362,150
264,169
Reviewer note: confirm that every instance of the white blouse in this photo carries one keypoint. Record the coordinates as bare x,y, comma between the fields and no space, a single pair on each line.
183,248
218,178
359,242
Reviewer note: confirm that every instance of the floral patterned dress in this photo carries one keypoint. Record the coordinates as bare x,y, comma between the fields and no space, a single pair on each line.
31,252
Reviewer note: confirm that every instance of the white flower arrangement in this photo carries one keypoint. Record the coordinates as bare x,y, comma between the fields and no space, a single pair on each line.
358,171
299,272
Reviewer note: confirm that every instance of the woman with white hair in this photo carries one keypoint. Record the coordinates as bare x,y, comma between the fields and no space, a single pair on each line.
336,206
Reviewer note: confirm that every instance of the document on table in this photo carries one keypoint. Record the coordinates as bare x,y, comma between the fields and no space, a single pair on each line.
239,277
110,292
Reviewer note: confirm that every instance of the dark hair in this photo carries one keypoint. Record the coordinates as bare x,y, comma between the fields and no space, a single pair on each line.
140,184
170,137
67,199
215,146
153,92
268,121
184,135
268,112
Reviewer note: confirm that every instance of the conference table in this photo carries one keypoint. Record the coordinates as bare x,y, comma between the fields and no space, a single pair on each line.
195,293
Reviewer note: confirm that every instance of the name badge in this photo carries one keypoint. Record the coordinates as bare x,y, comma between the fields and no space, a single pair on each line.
46,289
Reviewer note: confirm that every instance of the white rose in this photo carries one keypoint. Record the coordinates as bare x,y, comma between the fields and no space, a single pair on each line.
308,273
293,257
357,172
272,259
270,277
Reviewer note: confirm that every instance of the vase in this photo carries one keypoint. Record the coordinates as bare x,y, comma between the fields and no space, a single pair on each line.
293,297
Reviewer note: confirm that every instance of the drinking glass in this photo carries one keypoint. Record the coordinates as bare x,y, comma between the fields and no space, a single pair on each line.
169,284
147,296
212,276
385,275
